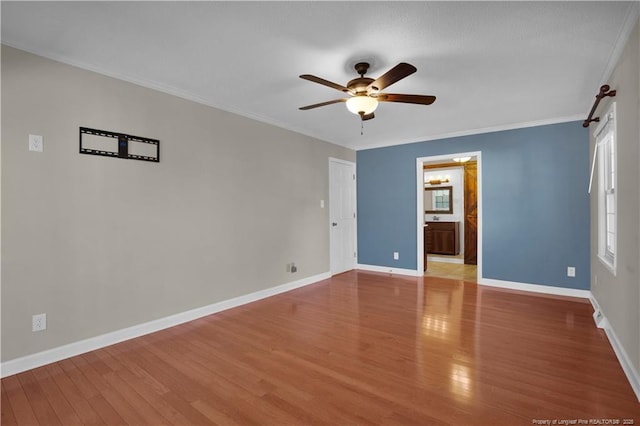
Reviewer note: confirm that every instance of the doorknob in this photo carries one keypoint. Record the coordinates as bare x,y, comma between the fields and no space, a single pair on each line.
334,223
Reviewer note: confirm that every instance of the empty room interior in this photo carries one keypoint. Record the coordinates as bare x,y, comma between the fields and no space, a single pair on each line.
310,212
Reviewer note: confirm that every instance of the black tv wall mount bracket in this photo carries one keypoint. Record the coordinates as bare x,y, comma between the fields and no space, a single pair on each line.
119,145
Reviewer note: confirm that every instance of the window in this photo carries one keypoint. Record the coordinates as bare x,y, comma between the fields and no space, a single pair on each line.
607,180
441,199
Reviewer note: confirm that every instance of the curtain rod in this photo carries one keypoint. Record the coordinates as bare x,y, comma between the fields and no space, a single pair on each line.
604,91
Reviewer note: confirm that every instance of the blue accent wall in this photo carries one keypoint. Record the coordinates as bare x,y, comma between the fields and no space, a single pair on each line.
534,200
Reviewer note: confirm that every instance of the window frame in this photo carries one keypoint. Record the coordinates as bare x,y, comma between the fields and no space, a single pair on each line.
606,150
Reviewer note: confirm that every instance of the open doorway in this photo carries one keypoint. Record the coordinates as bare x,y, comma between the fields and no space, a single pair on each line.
449,215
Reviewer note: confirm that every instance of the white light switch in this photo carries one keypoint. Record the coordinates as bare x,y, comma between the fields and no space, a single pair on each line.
322,204
36,143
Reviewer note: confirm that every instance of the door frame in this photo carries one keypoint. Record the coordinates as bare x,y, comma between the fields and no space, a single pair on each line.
420,162
355,219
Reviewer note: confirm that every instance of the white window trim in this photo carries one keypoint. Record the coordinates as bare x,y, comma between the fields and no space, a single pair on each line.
606,134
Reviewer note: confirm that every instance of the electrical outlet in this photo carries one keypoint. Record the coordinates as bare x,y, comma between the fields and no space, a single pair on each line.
39,322
571,271
36,143
396,255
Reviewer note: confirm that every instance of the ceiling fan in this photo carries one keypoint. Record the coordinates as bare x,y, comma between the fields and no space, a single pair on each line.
365,92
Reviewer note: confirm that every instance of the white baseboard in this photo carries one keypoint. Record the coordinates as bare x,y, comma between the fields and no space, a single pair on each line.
536,288
627,366
28,362
623,358
389,270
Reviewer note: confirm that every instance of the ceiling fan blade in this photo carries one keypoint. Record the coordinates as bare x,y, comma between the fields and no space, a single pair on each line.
395,74
407,99
367,116
324,82
335,101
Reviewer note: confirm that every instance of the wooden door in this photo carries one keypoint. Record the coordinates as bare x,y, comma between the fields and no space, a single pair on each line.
471,213
427,243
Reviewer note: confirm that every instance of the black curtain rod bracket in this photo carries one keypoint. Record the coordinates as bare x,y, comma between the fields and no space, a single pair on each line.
604,91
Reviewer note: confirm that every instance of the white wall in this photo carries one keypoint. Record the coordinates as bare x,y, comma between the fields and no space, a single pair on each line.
619,295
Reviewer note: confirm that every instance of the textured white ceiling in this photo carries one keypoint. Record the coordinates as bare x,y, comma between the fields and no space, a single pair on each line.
492,65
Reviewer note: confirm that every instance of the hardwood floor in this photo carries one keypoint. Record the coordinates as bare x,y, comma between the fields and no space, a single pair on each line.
360,348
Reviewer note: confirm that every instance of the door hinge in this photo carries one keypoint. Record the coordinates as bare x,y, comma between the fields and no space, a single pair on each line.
354,176
354,254
354,215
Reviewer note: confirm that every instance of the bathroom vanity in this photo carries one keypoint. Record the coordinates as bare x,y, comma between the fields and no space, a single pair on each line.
442,237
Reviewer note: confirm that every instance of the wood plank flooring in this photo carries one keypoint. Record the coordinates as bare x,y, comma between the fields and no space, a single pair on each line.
359,348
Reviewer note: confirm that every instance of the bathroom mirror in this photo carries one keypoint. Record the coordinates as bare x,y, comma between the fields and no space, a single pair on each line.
438,199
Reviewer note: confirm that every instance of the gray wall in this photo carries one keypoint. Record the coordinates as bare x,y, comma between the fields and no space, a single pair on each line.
100,244
619,296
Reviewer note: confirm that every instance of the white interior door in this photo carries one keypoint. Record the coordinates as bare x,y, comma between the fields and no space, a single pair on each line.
342,215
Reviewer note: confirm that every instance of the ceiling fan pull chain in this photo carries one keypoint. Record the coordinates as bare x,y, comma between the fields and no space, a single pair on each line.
361,127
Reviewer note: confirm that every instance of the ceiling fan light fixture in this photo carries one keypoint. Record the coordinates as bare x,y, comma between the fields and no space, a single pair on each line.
362,104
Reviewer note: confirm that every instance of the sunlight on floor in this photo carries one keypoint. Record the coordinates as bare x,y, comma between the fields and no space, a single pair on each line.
451,270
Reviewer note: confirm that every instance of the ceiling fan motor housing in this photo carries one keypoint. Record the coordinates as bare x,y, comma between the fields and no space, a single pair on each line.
358,86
